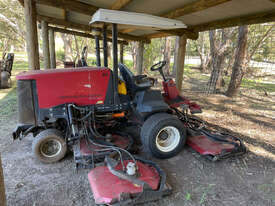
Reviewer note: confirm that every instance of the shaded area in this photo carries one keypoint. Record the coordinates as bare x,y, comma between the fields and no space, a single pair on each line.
246,180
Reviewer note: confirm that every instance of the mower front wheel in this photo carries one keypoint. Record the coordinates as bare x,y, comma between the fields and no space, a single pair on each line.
163,135
49,146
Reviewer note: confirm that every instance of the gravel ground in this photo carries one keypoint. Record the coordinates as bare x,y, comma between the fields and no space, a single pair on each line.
248,180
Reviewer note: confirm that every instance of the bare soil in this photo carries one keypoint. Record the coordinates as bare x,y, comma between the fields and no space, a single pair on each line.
246,180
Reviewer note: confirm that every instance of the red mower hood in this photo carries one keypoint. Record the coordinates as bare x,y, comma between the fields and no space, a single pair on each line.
36,74
81,86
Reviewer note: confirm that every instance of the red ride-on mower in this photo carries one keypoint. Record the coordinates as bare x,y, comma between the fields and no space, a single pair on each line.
72,107
87,110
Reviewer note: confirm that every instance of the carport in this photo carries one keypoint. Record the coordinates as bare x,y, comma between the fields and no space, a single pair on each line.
72,17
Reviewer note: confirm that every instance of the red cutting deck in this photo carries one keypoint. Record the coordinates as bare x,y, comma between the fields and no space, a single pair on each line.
108,188
205,146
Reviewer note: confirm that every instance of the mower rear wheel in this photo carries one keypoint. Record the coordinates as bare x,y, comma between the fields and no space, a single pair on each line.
49,146
163,135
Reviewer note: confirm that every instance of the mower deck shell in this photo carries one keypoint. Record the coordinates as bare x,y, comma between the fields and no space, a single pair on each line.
205,146
108,188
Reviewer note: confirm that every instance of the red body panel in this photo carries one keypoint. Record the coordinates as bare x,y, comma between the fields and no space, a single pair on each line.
107,188
205,146
81,86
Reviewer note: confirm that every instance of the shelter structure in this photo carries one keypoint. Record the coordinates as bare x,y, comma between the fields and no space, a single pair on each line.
73,16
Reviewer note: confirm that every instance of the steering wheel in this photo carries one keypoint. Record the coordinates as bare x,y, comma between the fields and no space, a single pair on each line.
158,66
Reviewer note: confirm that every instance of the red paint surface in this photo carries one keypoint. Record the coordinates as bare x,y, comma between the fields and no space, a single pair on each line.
107,188
82,86
205,146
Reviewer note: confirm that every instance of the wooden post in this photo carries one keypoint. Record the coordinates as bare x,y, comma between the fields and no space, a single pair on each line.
121,54
31,34
2,186
139,58
176,56
45,39
1,62
52,49
180,61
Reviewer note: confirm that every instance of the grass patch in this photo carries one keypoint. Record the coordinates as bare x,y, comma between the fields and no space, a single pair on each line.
20,65
246,83
8,105
254,84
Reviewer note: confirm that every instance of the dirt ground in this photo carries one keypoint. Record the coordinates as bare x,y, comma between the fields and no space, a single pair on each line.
246,180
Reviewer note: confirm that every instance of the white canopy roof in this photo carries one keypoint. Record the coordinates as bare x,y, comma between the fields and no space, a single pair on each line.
135,19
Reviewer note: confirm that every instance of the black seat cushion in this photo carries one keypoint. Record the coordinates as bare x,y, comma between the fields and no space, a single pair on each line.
134,83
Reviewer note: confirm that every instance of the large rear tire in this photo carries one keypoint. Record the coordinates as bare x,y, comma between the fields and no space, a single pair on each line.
163,135
49,146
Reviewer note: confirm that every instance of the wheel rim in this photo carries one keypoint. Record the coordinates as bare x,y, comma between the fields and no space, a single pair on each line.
168,139
50,148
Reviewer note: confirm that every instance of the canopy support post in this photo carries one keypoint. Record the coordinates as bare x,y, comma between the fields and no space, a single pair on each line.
31,34
52,48
180,61
139,59
2,185
45,39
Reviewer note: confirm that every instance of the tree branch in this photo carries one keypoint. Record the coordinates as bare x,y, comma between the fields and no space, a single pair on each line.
261,40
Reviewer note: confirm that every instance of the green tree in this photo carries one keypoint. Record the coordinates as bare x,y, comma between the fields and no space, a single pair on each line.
12,29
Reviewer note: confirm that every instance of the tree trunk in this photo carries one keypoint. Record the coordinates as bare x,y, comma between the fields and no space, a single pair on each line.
77,48
167,55
239,64
258,44
52,49
67,49
2,186
134,54
203,53
110,53
86,44
217,59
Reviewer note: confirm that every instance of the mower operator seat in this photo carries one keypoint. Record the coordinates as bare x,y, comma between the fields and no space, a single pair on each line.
134,83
